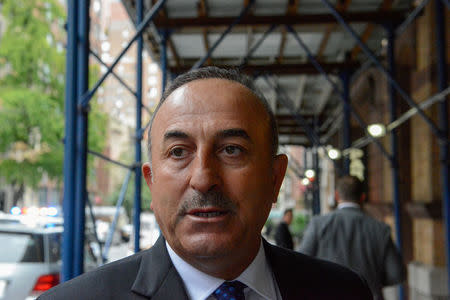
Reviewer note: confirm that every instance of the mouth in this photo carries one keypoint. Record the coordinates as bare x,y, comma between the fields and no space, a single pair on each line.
207,213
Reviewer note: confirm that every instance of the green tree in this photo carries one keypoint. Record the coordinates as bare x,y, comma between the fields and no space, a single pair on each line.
32,68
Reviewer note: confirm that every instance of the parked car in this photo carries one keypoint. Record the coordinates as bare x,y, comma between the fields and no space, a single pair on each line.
149,233
30,258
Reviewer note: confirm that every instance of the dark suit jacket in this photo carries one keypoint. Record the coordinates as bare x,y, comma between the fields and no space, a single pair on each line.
151,275
283,237
352,238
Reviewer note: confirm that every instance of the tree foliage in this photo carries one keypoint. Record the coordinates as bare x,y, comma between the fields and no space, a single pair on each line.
32,68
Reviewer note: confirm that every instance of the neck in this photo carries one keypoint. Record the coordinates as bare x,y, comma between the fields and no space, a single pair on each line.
228,266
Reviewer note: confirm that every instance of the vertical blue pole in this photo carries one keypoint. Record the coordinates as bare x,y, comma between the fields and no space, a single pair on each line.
70,144
164,37
394,148
443,125
316,184
345,77
138,154
82,132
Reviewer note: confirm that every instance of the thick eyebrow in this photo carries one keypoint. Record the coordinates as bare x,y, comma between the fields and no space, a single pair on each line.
234,132
175,134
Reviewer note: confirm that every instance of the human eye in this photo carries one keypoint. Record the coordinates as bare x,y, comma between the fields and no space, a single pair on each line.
233,150
178,152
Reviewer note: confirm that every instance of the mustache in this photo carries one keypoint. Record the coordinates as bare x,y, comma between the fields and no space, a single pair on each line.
203,200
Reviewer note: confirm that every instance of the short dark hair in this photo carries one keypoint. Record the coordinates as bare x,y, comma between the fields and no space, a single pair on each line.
215,72
350,188
288,210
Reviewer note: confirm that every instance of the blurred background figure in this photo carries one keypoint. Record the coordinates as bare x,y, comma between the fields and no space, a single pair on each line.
352,238
283,237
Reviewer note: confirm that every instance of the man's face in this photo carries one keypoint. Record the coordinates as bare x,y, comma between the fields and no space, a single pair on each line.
214,178
288,218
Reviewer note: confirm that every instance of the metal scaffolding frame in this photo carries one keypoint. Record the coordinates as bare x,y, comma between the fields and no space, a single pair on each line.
78,96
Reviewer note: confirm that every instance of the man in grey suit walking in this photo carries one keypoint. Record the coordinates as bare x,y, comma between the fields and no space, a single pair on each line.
352,238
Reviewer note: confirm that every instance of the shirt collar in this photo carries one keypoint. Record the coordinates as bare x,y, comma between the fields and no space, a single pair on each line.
199,285
348,204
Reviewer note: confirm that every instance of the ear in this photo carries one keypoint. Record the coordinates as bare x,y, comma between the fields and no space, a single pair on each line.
279,170
147,172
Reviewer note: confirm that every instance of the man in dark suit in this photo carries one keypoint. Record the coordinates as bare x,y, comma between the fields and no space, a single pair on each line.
352,238
283,237
214,173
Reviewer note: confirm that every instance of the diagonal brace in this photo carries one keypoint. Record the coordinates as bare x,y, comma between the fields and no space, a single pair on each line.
201,61
390,78
150,15
358,118
312,135
99,155
249,54
125,85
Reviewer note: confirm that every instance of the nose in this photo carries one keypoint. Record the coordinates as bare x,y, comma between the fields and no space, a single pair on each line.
204,173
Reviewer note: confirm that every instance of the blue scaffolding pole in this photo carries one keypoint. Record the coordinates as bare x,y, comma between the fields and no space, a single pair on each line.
139,133
443,126
316,182
70,141
346,128
82,132
76,129
164,37
394,149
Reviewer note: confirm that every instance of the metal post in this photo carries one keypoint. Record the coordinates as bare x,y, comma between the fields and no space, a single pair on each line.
394,148
70,143
316,185
346,128
138,154
443,125
164,37
82,132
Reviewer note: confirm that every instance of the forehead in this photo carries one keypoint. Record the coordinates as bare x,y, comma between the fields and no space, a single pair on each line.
213,100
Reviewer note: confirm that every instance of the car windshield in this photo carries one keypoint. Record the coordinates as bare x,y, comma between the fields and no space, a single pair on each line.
20,247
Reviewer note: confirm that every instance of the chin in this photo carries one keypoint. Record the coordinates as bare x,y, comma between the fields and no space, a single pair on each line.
210,245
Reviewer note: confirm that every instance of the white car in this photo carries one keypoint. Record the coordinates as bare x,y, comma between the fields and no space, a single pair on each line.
30,257
30,260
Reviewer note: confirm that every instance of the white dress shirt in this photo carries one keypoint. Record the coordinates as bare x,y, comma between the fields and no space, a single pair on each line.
259,278
348,204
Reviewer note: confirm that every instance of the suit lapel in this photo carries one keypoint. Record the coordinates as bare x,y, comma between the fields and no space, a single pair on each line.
157,278
289,279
